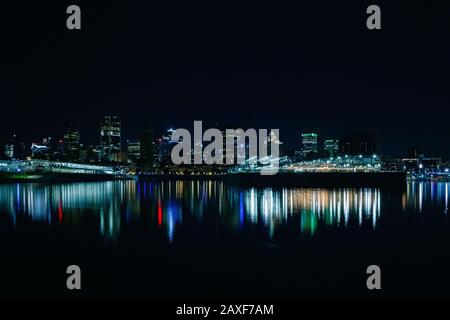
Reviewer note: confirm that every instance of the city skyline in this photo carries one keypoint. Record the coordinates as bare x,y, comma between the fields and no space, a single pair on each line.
308,141
309,70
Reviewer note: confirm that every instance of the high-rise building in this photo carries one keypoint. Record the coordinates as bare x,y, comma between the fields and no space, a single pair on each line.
331,147
146,145
110,137
9,151
134,150
309,143
72,142
358,144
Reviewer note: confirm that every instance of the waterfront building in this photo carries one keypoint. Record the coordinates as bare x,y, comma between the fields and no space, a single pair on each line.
110,137
146,150
41,150
309,144
331,147
134,150
72,142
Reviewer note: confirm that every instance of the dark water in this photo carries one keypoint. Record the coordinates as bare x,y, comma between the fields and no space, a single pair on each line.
212,240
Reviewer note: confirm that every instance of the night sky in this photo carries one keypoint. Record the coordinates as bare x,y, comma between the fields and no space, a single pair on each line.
312,66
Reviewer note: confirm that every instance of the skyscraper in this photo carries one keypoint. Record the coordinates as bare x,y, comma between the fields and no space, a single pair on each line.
146,150
309,143
331,147
110,137
134,151
72,142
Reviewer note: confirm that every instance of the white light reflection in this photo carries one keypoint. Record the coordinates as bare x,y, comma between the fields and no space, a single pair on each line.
116,204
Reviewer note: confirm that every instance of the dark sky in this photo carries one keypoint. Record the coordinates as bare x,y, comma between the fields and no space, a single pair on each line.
312,66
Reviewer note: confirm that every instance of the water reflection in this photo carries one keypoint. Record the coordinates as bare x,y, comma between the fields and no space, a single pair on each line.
168,206
429,194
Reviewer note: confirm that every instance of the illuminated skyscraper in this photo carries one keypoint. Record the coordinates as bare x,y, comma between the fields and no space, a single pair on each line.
110,137
134,151
332,147
72,142
309,143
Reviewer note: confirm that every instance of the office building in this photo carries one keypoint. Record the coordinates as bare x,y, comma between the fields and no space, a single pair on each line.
134,150
309,143
72,142
146,145
331,147
110,137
